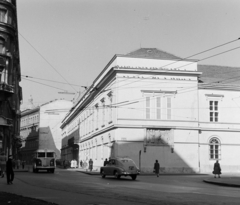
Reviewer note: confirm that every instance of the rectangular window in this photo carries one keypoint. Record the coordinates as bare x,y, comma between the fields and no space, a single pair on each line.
97,110
213,106
110,108
102,111
3,15
93,115
148,107
158,107
169,105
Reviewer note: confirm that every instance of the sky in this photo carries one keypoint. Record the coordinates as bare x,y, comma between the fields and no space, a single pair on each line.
65,44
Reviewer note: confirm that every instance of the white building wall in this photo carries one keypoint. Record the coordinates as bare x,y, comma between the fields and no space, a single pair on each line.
226,130
125,135
51,115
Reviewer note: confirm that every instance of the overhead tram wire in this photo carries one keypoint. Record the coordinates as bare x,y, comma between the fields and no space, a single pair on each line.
202,52
182,60
46,60
194,88
27,76
45,84
184,65
211,56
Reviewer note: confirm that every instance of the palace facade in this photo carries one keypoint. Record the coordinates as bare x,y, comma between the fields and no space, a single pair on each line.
150,104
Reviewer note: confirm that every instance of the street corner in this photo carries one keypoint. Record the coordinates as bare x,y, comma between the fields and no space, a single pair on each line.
224,181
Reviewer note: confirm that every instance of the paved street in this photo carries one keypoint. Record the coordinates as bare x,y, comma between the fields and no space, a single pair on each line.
71,187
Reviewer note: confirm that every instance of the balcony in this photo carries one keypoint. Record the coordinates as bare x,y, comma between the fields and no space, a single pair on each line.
6,91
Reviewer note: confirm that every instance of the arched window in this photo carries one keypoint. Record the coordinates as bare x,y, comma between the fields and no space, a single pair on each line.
214,148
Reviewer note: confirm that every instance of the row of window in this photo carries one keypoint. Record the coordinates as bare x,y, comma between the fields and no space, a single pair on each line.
99,152
92,150
95,117
29,120
161,108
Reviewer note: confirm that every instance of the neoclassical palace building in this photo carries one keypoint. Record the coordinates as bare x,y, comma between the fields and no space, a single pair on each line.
150,104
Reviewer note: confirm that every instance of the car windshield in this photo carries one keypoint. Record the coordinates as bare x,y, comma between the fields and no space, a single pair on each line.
50,154
127,162
41,154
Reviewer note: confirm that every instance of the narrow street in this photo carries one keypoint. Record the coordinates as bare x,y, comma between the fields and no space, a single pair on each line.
71,187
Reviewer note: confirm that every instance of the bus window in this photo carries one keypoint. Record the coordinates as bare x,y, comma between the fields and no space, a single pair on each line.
50,154
41,154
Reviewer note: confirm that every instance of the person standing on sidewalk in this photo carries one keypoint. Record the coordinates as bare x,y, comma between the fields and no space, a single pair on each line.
90,165
156,168
9,170
18,163
105,162
217,169
23,164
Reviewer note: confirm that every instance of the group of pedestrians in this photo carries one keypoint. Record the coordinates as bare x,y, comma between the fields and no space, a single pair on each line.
84,164
216,169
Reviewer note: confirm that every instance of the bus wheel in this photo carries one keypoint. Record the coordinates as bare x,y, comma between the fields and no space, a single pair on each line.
52,170
36,170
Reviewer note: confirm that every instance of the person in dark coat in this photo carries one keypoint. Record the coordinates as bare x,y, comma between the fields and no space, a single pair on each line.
217,169
156,168
90,165
9,170
105,162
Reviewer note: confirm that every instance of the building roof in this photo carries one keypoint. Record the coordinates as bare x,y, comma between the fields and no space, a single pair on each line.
221,74
152,53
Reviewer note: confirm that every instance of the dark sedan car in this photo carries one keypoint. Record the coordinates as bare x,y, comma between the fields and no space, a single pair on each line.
120,167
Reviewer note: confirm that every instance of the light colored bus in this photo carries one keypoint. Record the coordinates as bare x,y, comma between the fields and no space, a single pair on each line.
44,160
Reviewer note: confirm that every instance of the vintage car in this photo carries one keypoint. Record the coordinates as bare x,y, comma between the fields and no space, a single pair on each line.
120,166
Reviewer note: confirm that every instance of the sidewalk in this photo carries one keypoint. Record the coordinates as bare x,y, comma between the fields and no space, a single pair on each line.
231,180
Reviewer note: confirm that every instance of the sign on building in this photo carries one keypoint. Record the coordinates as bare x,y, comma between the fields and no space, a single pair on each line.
158,137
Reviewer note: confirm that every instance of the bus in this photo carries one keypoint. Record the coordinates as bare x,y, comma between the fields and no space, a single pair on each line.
44,160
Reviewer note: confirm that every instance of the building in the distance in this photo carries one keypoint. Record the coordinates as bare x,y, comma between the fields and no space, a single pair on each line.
151,105
40,127
10,76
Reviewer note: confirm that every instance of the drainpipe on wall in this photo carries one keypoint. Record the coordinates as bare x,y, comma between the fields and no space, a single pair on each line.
199,132
140,159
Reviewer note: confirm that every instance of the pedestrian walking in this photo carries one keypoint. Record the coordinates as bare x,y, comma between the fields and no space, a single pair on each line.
156,168
23,164
81,163
18,163
105,162
90,165
217,169
9,170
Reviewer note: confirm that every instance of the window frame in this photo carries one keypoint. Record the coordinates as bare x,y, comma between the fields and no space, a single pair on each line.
214,149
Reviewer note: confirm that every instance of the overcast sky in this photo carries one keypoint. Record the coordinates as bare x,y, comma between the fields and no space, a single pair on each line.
71,41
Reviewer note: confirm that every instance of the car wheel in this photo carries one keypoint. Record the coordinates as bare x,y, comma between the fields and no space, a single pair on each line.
103,174
134,176
118,176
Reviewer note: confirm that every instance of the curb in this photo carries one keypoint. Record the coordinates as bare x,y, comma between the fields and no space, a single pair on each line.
221,183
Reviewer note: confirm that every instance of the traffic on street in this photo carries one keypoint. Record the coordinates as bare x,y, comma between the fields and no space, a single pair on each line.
69,186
